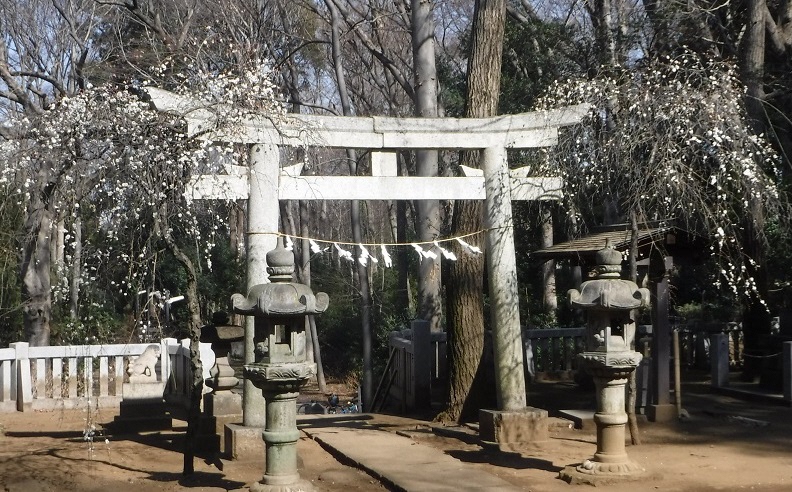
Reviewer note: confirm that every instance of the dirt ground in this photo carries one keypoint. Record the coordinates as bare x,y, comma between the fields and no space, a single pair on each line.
726,444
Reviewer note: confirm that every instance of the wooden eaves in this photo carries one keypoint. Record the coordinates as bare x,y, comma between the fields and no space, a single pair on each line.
582,250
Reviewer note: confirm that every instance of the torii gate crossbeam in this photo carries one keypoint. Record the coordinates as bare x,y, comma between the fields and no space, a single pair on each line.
264,183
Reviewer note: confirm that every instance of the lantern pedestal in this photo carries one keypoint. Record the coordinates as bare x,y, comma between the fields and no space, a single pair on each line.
610,463
280,384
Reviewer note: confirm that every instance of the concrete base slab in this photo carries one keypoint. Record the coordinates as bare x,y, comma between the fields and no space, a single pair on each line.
220,423
511,429
141,410
223,403
661,413
208,439
582,419
243,443
208,443
559,423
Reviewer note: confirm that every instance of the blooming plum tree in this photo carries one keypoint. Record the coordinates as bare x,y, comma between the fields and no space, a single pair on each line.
671,139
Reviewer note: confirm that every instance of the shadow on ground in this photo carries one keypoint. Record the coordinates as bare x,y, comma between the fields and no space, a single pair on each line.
504,460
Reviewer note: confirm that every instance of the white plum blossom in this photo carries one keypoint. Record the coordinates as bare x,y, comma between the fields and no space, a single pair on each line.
670,140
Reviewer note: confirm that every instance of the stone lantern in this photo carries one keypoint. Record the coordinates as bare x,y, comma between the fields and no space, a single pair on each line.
221,334
280,368
609,302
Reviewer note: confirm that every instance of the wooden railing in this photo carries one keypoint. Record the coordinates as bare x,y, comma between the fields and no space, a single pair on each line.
43,378
405,384
416,358
552,350
694,343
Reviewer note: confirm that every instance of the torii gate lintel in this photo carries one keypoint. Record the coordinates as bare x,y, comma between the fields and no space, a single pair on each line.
265,184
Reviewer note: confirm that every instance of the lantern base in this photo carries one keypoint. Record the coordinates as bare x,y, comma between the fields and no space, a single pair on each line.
298,486
595,473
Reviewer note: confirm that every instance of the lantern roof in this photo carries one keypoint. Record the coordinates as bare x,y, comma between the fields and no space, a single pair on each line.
607,291
280,297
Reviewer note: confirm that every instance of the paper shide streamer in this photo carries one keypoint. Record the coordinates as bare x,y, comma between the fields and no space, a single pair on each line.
365,257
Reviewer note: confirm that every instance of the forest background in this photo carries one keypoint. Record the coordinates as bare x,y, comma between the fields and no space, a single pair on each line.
690,121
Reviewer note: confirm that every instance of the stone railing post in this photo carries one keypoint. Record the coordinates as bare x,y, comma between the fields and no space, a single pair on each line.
166,365
21,387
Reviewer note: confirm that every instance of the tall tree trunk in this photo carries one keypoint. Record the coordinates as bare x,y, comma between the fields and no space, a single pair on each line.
76,271
756,318
465,283
305,277
428,216
602,20
549,297
367,385
632,383
35,274
236,228
752,64
194,328
58,254
402,255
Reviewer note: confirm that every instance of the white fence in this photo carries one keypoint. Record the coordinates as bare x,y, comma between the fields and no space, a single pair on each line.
54,377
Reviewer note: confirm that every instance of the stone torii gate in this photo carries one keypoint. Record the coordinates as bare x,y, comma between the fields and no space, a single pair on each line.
264,183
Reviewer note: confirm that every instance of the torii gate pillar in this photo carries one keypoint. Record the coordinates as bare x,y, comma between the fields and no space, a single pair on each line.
504,295
262,216
513,424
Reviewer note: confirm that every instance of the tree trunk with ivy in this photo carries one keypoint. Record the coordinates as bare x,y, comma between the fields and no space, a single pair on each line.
756,317
196,367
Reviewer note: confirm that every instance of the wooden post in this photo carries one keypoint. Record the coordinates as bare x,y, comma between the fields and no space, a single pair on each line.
661,409
422,362
787,361
719,359
502,265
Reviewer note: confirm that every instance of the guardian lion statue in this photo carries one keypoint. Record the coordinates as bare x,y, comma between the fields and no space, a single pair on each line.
143,369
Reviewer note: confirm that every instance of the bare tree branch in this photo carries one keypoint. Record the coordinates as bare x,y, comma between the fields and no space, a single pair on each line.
386,62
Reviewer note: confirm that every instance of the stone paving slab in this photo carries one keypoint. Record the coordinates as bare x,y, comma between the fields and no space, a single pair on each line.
404,464
582,419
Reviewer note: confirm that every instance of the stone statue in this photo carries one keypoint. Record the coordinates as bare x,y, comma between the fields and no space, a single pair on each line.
143,369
